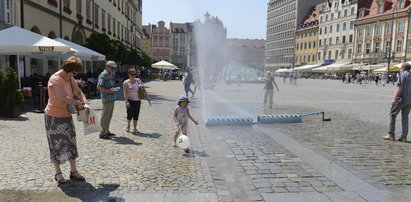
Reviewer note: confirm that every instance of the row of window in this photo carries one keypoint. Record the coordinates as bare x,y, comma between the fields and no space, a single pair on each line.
307,34
284,26
377,47
282,43
305,58
281,35
284,9
378,29
337,54
339,15
323,42
279,60
306,45
281,19
338,28
280,51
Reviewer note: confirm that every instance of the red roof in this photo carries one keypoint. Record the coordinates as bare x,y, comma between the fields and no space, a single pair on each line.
371,8
311,19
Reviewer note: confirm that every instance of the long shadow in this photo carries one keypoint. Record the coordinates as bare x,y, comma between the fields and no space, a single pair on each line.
154,98
84,191
193,153
125,141
20,118
150,135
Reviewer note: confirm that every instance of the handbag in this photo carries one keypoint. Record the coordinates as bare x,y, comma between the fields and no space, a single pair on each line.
141,93
81,114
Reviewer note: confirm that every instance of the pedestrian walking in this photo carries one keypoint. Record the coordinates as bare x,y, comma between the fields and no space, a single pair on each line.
106,86
61,133
180,116
269,88
131,87
401,102
188,80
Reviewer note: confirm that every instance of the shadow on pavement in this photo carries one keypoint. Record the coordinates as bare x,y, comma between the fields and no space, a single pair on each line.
125,140
15,119
150,135
155,98
195,153
84,191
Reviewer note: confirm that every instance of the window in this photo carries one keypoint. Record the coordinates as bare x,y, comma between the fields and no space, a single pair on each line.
305,45
345,12
309,45
389,28
331,29
399,45
103,18
66,3
338,28
344,26
349,53
377,46
321,19
369,31
409,47
325,42
351,25
319,55
339,14
380,8
343,39
326,18
359,47
352,10
313,58
367,48
114,26
88,7
325,30
351,38
96,14
314,44
388,46
332,16
337,40
331,41
402,3
319,43
321,30
309,58
336,54
360,32
78,7
378,29
109,22
400,26
329,55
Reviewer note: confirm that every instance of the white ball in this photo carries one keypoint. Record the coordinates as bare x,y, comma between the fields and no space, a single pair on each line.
183,142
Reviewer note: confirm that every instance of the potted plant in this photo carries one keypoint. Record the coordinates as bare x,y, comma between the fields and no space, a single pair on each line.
12,99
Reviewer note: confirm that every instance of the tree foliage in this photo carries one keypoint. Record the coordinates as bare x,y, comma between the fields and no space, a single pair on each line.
9,85
115,50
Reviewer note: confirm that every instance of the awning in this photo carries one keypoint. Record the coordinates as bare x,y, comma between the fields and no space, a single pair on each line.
283,70
385,69
399,65
306,68
80,51
370,67
320,69
339,67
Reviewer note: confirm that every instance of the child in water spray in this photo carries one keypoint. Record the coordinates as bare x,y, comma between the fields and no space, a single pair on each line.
180,117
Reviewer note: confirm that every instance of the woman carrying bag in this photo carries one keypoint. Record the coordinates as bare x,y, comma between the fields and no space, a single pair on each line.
134,92
61,134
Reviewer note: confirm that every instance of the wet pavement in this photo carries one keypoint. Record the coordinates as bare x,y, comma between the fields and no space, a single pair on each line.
341,160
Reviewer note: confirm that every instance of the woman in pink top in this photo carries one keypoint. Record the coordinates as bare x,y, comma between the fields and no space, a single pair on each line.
61,134
133,102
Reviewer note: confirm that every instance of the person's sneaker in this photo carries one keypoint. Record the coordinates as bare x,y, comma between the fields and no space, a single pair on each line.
388,137
111,134
174,144
187,150
402,139
105,137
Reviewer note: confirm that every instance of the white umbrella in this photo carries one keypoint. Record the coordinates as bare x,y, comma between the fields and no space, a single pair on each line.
15,40
81,51
163,65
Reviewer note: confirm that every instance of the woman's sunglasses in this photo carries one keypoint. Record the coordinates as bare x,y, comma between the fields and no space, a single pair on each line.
132,74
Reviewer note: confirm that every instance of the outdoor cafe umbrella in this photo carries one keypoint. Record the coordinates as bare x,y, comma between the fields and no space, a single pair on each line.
19,41
163,65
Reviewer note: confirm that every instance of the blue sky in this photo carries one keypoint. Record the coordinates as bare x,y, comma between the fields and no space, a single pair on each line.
243,18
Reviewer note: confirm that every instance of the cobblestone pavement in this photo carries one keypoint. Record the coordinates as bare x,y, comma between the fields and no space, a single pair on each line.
126,164
341,160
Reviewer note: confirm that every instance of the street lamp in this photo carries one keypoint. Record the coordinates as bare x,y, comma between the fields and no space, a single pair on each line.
394,6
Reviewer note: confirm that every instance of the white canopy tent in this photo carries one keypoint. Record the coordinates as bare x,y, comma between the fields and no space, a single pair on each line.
19,41
320,69
82,52
163,65
283,70
306,68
